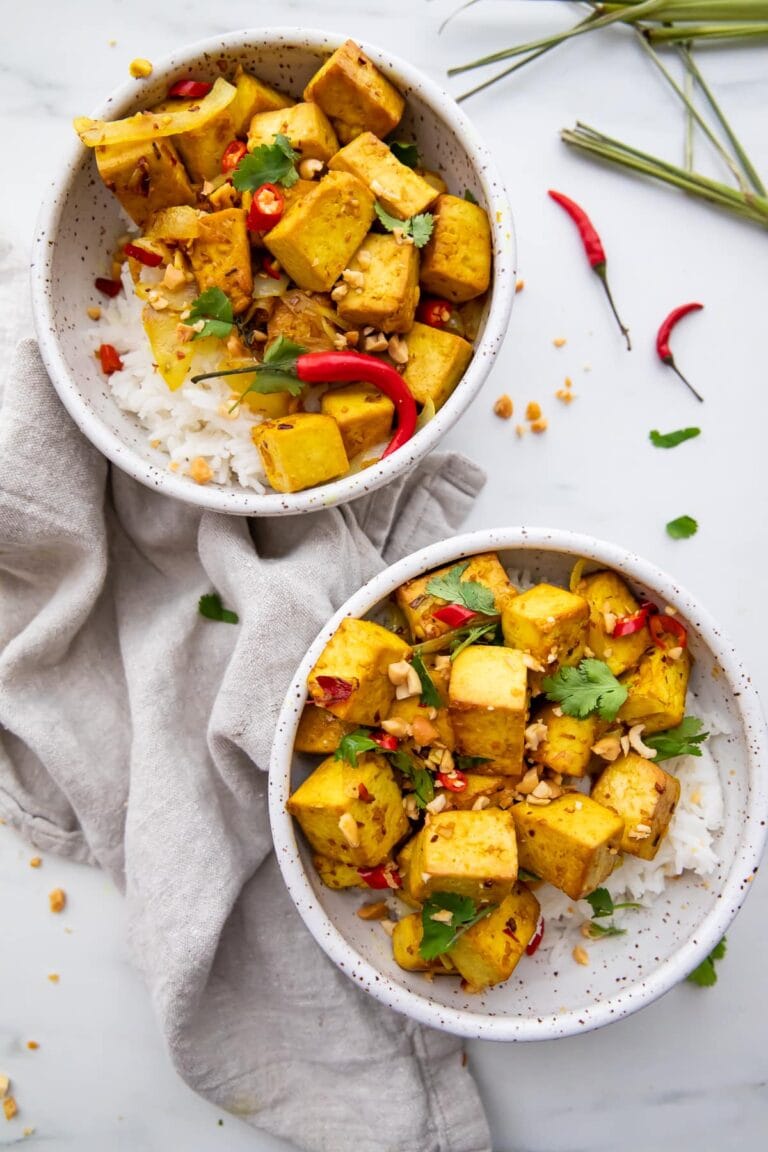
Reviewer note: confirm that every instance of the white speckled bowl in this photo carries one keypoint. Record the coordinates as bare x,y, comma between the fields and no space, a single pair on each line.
80,221
667,940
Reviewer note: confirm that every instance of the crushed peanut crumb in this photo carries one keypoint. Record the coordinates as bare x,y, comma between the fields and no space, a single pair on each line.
36,861
28,1132
539,426
564,396
580,955
32,1045
200,470
503,407
10,1107
5,1084
519,286
57,900
53,977
520,430
533,411
140,68
94,313
559,341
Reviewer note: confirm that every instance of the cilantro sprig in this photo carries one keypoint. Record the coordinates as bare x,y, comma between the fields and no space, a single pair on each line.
706,975
472,636
211,607
470,196
684,740
420,777
440,935
418,228
352,744
682,528
472,595
602,906
430,697
406,152
267,164
589,688
215,308
672,439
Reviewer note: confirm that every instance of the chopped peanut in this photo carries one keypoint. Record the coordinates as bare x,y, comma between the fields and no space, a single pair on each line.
580,955
9,1107
533,411
200,470
520,430
503,407
53,977
36,861
539,426
32,1045
5,1084
519,285
94,313
559,341
57,899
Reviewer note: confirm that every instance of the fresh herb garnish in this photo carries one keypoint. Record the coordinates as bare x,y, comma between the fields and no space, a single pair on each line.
267,164
406,153
472,636
681,741
212,608
582,691
419,228
705,975
527,877
276,373
440,935
470,196
215,308
421,778
469,763
351,745
472,595
672,439
682,527
601,903
599,931
430,697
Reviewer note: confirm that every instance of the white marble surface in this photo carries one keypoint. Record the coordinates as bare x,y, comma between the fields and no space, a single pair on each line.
691,1071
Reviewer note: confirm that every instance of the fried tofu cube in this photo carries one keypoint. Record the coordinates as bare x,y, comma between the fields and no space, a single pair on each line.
406,942
418,605
389,294
488,696
300,450
489,951
269,404
645,796
364,415
320,233
253,96
144,177
358,654
399,189
607,593
306,126
456,262
339,824
657,689
469,853
495,789
547,622
433,178
404,857
572,842
336,875
355,94
221,256
567,746
319,731
437,360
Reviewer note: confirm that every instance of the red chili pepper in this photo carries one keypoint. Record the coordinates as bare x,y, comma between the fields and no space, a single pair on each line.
108,287
266,208
233,154
662,341
143,255
335,689
271,267
110,361
663,624
383,876
454,615
363,794
454,781
628,625
385,741
593,246
536,939
192,89
434,311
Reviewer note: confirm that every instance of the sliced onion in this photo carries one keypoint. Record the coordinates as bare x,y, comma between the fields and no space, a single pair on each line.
268,286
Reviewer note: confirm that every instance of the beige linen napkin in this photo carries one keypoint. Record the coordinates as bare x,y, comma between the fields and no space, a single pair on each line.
135,734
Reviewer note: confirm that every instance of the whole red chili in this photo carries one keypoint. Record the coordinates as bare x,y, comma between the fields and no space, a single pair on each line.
434,311
192,89
628,625
383,876
266,208
143,255
334,689
110,361
662,341
108,287
593,246
385,741
454,615
662,626
454,781
536,939
270,265
233,154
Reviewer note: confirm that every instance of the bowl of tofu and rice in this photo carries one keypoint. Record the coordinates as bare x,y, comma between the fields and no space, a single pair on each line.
636,869
131,213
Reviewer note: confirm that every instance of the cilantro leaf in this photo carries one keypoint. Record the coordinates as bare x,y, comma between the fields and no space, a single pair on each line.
276,373
440,935
682,527
419,228
430,697
470,196
472,636
672,439
283,354
215,308
527,877
472,595
706,975
601,902
353,744
406,153
469,763
267,164
598,931
582,691
683,740
212,608
423,784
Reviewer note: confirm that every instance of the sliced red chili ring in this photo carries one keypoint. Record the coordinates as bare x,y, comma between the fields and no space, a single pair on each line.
270,265
454,781
663,625
108,287
385,741
110,361
383,876
536,939
143,255
628,625
233,154
454,615
334,689
192,89
267,208
434,311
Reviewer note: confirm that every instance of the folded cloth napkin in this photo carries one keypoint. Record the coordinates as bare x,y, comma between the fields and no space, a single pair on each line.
135,734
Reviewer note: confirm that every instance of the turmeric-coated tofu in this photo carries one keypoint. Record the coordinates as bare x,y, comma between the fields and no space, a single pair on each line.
267,404
300,450
456,262
337,875
306,126
144,177
221,256
418,605
404,857
549,623
400,190
319,731
350,678
489,951
567,746
351,814
253,96
388,296
572,842
468,853
608,596
364,415
406,943
355,94
320,233
645,796
488,696
656,691
437,360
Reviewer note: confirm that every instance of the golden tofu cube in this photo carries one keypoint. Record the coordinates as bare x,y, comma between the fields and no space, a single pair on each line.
300,451
469,853
406,942
358,654
144,177
404,857
353,92
306,126
337,875
489,702
319,731
268,404
489,951
221,256
495,789
567,747
573,842
253,96
399,189
339,824
364,415
645,796
657,689
605,592
418,605
437,360
456,262
389,294
547,622
433,178
320,233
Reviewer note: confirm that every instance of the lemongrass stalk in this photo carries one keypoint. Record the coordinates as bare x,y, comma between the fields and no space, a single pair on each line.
694,10
689,122
674,34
